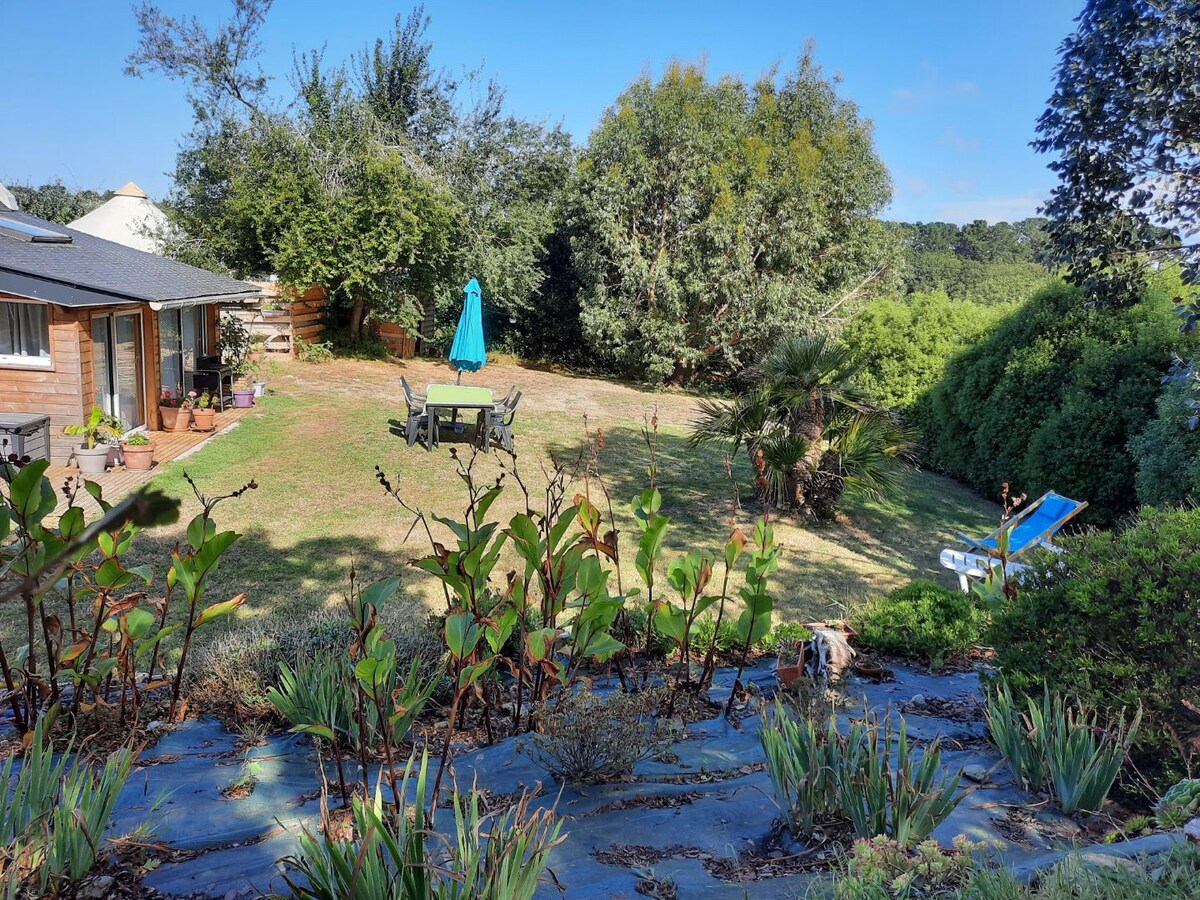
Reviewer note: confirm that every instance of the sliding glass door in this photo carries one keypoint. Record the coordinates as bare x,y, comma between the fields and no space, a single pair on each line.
117,367
181,341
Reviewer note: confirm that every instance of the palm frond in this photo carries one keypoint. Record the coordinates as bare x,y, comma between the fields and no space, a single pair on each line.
872,448
735,423
782,453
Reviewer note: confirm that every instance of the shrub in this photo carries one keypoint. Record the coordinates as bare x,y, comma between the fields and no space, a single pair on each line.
1060,748
317,352
1112,622
1168,452
905,343
921,620
1051,399
817,772
881,868
589,738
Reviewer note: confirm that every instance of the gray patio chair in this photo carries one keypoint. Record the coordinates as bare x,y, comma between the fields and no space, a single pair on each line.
418,418
497,423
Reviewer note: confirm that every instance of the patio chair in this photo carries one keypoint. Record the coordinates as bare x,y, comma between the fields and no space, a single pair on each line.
496,423
1033,527
418,417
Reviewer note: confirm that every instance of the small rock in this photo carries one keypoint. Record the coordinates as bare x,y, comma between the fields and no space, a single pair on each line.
917,700
96,889
977,774
1192,831
154,725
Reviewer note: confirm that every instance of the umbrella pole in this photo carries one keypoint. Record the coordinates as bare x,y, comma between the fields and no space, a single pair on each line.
459,381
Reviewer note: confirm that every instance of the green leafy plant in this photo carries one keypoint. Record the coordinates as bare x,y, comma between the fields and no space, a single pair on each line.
350,694
53,822
138,439
810,428
921,620
191,567
496,856
1101,622
801,756
1052,746
317,352
754,623
881,868
1179,804
818,772
73,561
98,428
234,345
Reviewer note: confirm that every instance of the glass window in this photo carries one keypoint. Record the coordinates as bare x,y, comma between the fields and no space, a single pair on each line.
25,334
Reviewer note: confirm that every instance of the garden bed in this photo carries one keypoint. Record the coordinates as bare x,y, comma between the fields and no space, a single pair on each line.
703,811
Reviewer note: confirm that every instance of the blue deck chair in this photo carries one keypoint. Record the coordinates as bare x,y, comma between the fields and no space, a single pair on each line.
1033,527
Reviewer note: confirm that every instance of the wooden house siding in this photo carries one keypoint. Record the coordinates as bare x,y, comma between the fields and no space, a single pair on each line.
67,390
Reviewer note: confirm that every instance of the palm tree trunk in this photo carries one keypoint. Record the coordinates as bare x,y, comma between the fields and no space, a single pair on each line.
809,423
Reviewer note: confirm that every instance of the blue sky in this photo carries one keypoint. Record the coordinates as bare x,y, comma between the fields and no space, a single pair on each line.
953,88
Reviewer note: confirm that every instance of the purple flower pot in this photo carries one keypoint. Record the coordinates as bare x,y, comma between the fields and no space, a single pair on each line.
243,398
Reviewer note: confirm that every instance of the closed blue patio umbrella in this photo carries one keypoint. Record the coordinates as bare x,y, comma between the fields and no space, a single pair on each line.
468,353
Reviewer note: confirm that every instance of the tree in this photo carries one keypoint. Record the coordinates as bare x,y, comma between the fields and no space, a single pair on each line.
374,180
1123,122
56,202
804,421
712,217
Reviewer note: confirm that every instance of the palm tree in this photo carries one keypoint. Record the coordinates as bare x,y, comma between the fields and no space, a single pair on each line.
814,432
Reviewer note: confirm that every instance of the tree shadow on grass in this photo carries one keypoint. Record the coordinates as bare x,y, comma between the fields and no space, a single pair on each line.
872,547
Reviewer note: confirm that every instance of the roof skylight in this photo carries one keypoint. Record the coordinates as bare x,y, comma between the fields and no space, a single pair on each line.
23,231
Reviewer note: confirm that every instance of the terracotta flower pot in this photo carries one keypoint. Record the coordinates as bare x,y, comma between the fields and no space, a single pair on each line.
788,675
138,456
205,419
175,418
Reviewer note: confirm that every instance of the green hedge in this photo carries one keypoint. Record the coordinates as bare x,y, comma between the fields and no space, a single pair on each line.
1052,399
905,342
921,620
1113,621
1168,451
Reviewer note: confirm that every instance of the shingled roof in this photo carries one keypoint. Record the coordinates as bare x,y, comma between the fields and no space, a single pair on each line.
83,270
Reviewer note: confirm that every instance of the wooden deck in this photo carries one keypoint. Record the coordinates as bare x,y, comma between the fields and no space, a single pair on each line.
168,445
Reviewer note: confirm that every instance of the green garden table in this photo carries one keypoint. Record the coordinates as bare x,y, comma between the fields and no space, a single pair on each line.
453,397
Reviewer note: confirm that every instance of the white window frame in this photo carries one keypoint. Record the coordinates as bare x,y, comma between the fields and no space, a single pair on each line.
35,363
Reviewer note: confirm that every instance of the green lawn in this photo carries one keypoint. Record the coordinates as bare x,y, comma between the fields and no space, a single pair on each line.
314,444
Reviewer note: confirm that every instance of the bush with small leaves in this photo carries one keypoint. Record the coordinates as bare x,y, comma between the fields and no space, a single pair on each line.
587,737
879,868
921,620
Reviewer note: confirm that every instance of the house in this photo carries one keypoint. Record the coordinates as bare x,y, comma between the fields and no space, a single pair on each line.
128,217
87,321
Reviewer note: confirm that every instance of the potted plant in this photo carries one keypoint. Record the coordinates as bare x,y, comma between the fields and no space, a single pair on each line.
789,661
203,415
138,451
97,431
234,346
176,411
